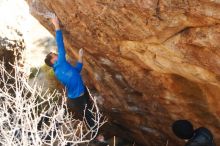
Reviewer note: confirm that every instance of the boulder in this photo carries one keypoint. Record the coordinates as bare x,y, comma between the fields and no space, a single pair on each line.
11,46
151,62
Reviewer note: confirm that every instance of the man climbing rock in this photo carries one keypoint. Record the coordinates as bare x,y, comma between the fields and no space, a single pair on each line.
70,77
199,137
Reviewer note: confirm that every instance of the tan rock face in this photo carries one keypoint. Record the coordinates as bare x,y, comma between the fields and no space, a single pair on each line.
152,61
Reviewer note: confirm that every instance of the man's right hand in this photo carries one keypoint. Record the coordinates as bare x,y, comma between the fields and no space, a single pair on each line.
80,55
81,52
56,22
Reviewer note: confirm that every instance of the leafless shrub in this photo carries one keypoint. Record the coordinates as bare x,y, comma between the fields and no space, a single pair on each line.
23,106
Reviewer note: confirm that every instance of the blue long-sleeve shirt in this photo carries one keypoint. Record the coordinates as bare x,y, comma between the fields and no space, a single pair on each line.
67,74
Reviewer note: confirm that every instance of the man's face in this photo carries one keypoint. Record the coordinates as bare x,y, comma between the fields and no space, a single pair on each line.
54,58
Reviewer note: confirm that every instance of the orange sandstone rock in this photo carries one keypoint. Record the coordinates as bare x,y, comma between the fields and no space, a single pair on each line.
152,61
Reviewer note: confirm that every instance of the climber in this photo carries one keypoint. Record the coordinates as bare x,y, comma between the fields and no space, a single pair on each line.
69,76
199,137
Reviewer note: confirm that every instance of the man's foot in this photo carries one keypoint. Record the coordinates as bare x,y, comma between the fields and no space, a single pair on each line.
60,115
50,110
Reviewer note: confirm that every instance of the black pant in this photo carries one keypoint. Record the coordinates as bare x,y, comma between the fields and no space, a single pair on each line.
77,107
45,119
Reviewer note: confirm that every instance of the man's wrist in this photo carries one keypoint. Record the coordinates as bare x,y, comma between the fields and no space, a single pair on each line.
57,27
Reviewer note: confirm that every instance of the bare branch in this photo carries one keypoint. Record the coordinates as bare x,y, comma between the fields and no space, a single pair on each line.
29,116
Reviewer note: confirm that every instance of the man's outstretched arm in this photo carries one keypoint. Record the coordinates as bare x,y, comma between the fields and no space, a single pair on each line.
59,39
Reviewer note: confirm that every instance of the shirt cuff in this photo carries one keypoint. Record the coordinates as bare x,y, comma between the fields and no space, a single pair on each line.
79,63
58,31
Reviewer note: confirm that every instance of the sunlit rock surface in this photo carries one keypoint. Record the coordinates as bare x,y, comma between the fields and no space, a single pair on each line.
152,61
38,41
11,44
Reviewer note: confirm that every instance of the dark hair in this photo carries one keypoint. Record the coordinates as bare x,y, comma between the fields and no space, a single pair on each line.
183,129
47,60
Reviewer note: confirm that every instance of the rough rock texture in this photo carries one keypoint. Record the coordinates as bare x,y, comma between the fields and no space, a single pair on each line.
152,61
11,44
